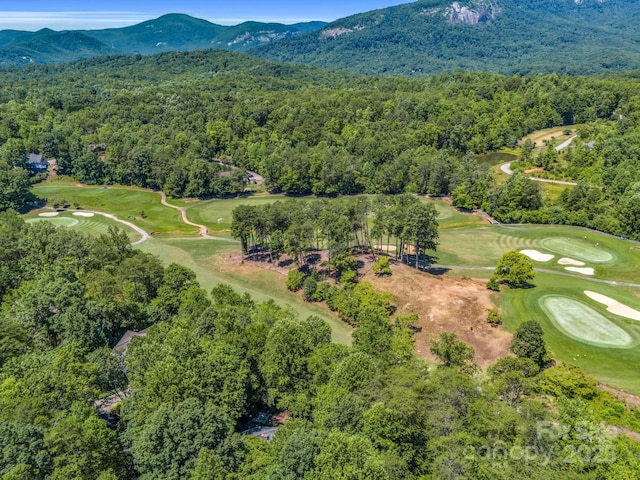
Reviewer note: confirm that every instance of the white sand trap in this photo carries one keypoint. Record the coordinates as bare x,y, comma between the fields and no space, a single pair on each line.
537,256
583,270
614,306
49,214
385,248
570,261
581,322
83,214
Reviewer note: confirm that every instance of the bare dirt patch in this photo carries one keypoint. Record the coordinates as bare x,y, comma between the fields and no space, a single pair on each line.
446,305
534,170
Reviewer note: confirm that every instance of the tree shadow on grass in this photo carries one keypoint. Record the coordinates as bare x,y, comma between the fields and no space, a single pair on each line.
523,286
436,270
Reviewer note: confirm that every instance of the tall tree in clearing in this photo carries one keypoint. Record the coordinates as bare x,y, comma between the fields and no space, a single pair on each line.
421,228
515,269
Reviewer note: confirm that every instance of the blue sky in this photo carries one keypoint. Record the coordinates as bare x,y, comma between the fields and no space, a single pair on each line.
75,14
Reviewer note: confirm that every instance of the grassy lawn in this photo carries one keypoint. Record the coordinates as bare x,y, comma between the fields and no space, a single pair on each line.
617,367
138,206
95,225
217,214
484,244
200,255
556,133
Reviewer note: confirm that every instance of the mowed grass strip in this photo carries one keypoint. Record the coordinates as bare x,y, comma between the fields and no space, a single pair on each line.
613,366
201,256
141,207
483,245
96,225
217,214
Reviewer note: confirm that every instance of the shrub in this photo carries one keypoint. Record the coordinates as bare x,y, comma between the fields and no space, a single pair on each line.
295,278
493,285
309,288
381,267
348,277
493,317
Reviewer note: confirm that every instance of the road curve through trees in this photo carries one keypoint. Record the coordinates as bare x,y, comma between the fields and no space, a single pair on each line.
506,168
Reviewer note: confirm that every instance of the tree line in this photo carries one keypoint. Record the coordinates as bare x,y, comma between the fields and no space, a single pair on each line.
298,227
156,119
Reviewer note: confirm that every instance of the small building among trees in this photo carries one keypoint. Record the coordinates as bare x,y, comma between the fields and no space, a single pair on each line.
36,163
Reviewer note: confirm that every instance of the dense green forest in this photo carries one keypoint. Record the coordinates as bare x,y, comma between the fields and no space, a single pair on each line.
505,36
212,360
159,122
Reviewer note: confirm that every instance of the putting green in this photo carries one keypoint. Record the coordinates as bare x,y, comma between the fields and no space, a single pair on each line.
583,323
57,221
578,248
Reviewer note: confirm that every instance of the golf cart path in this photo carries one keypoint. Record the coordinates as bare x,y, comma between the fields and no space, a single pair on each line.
542,270
506,168
203,231
143,233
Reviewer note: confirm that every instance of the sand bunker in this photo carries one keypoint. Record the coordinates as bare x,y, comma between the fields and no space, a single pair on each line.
537,256
614,306
385,248
49,214
583,271
570,261
581,322
83,214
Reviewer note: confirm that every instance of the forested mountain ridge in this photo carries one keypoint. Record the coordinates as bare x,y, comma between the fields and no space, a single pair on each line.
171,32
505,36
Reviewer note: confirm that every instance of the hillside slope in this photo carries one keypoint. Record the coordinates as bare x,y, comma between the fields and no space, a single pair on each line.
172,32
504,36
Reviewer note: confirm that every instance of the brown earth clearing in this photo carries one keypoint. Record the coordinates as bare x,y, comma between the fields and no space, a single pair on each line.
446,304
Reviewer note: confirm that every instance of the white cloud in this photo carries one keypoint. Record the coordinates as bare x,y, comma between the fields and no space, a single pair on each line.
33,21
68,20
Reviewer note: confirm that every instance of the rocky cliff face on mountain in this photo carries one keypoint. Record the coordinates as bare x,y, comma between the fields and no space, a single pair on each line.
505,36
476,12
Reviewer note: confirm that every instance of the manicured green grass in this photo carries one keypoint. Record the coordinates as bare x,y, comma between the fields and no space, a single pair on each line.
200,255
617,367
95,225
141,207
483,245
584,323
217,214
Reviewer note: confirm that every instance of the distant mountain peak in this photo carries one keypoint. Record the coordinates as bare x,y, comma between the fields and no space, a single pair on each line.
512,36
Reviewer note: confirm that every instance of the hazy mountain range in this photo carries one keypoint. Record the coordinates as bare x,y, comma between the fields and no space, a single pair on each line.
419,38
172,32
